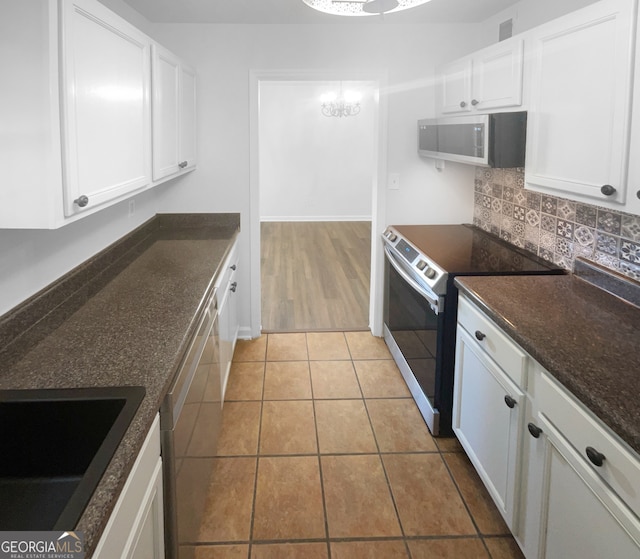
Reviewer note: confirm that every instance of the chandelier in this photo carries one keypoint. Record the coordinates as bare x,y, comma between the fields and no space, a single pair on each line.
362,7
339,104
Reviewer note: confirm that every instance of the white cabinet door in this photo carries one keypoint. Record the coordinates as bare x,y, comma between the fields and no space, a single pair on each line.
455,87
227,293
488,411
174,114
106,106
487,80
165,70
148,542
581,516
578,122
188,118
135,529
497,76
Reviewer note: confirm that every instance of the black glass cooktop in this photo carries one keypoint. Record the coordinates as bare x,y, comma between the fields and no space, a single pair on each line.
468,250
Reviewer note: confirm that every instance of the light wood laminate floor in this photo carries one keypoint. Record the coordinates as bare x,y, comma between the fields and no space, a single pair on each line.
315,275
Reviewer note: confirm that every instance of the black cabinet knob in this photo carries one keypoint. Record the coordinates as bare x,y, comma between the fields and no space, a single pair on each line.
638,194
480,335
596,458
234,286
608,190
534,430
474,102
509,401
233,267
463,104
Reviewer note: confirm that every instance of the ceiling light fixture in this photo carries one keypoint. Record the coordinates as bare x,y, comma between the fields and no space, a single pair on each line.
337,104
362,7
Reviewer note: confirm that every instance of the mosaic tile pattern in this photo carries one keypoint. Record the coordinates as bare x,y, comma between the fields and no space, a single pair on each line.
554,228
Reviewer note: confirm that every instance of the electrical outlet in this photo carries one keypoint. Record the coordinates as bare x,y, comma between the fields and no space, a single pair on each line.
132,207
393,182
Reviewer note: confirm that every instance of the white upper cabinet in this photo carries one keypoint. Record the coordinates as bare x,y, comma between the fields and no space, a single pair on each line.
455,86
174,114
106,106
188,117
489,79
580,105
77,132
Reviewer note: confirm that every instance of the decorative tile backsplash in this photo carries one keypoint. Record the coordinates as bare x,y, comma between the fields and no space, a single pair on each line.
554,228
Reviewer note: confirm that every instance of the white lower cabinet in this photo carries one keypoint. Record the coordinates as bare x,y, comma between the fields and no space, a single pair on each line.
484,390
565,483
136,527
581,516
227,290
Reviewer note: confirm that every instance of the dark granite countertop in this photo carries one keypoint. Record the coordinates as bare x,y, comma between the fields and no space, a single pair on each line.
585,337
123,318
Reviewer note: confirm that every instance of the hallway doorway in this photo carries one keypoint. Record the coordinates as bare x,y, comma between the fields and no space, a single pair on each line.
372,220
315,275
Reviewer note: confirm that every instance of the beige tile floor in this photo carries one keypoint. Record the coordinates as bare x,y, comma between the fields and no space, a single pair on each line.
323,454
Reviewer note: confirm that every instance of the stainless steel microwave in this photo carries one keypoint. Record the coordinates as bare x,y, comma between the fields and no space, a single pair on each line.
493,140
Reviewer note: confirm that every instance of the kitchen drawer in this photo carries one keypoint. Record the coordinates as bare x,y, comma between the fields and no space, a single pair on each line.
229,266
582,429
511,359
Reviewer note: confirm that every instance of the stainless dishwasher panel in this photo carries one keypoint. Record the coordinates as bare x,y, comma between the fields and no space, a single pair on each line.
190,419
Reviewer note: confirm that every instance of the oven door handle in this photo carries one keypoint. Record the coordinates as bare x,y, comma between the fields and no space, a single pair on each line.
431,298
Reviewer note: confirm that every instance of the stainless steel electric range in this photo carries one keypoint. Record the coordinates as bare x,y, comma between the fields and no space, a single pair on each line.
421,300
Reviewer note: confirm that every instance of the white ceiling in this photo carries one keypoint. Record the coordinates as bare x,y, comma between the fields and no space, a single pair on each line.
296,11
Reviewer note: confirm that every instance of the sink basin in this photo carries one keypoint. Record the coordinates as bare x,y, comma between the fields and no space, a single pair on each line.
54,447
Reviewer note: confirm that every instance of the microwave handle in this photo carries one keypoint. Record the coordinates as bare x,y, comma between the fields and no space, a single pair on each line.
431,298
478,141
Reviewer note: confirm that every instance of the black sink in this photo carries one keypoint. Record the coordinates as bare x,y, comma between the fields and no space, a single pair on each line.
54,447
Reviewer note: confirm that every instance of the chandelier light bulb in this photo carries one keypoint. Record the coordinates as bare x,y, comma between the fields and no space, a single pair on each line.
340,104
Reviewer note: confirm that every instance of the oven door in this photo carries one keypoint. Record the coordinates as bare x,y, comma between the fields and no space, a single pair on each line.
413,325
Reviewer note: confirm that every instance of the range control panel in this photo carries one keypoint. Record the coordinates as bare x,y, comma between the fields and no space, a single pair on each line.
417,264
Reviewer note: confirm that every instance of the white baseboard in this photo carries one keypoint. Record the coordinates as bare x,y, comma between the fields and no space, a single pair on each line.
317,218
244,333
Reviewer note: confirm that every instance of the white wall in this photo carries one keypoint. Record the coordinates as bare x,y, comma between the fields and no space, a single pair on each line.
224,55
314,167
32,259
528,14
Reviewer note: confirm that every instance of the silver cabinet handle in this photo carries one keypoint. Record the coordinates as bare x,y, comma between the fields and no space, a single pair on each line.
182,164
81,201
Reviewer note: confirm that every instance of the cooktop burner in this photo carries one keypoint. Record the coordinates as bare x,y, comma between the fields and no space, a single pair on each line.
467,249
437,252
